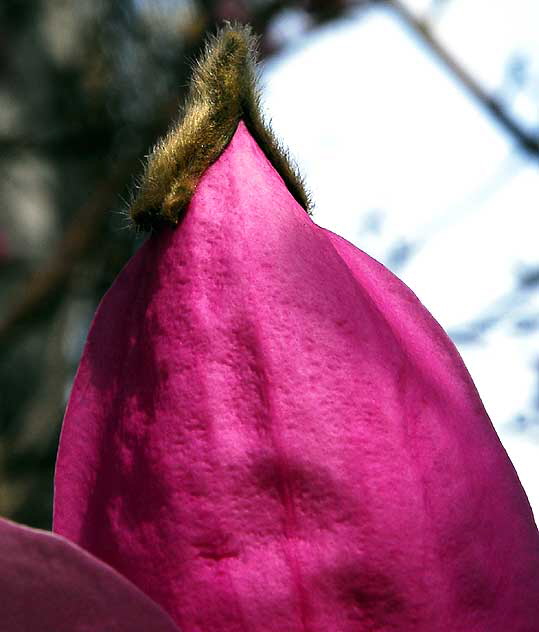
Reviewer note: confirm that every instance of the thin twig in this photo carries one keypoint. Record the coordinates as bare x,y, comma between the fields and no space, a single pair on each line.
528,142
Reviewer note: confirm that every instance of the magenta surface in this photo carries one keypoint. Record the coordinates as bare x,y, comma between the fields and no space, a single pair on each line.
269,433
49,585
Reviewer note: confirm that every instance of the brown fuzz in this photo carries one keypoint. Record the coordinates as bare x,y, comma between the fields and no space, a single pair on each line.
224,90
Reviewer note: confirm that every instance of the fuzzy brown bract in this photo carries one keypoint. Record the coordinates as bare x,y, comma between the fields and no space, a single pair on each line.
224,90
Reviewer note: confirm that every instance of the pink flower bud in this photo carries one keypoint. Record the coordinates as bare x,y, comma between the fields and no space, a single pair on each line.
268,432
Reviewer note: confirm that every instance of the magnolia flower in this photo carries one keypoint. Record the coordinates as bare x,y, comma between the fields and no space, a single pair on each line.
268,431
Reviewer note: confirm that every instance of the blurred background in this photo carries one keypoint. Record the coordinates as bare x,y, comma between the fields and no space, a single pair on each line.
415,122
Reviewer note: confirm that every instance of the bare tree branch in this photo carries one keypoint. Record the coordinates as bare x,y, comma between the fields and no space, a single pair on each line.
528,142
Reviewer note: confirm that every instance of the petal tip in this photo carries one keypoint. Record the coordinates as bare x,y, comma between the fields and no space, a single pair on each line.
224,89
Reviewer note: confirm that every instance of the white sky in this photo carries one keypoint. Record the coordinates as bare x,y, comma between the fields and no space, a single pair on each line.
377,124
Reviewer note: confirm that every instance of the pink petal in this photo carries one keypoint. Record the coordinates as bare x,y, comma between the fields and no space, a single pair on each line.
269,433
50,585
